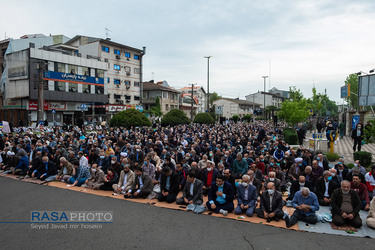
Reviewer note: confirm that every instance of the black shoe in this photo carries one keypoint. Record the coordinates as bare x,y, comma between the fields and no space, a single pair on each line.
276,219
268,220
287,222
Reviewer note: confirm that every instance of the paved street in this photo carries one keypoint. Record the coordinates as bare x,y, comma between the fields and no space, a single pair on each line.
141,226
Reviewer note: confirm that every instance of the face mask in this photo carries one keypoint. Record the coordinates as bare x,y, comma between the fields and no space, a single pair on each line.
145,162
272,179
300,165
270,191
208,169
345,192
262,160
318,158
93,170
210,154
359,127
244,184
302,184
333,174
271,164
329,178
340,170
102,157
113,162
138,150
355,165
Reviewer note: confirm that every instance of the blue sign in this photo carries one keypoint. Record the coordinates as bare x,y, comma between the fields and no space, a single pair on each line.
344,91
41,123
318,136
74,78
355,121
83,106
53,111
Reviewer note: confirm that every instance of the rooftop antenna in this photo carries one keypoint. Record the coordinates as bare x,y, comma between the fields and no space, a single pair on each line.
153,75
107,33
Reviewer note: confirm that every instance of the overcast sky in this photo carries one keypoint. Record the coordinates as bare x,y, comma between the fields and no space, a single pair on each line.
297,43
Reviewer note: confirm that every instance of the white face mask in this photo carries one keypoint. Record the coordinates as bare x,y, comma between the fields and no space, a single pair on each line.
272,179
208,169
244,184
345,192
93,170
355,165
270,191
113,162
302,184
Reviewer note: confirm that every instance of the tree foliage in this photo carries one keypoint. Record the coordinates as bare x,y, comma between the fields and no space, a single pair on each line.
370,132
247,118
204,118
295,95
130,118
352,79
320,103
214,96
294,112
156,110
235,118
175,117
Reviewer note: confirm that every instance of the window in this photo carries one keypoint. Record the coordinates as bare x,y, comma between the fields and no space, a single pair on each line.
116,67
165,94
99,90
99,73
59,67
116,81
136,57
136,98
117,52
105,49
128,98
59,86
127,69
127,54
86,71
72,69
73,87
117,96
166,107
127,84
108,80
136,71
136,84
86,88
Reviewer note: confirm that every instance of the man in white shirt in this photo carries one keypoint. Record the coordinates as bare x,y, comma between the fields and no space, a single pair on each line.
125,182
82,159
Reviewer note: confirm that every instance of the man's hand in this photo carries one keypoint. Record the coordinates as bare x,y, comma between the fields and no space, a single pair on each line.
135,194
367,207
219,193
213,206
350,216
204,187
246,207
265,215
242,206
271,215
119,189
344,215
165,193
75,183
191,202
186,200
327,200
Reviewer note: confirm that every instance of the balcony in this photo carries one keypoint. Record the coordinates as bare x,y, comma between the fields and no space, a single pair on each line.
150,100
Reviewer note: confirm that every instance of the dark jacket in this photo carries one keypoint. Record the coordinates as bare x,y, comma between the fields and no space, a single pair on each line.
227,190
197,190
214,175
147,183
321,188
51,168
277,202
251,197
174,182
296,187
336,202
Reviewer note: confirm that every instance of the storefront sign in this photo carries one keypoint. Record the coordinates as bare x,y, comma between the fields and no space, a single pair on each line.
74,78
33,105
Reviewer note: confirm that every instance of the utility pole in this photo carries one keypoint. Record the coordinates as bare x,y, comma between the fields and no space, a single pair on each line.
264,97
208,82
41,67
192,101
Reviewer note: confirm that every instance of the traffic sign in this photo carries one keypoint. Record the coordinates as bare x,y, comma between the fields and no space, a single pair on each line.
53,111
83,107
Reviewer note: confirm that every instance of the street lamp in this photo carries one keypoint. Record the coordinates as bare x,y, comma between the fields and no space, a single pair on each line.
208,81
264,95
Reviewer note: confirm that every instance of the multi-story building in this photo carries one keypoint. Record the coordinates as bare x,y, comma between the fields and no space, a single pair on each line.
200,95
124,69
271,99
74,88
283,93
168,97
231,107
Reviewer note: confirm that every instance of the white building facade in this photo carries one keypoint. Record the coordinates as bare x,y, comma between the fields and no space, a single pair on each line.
231,107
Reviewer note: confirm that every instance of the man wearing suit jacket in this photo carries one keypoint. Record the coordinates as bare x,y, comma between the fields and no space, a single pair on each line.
126,180
169,182
142,185
272,178
220,197
271,204
342,171
246,197
324,188
192,193
297,185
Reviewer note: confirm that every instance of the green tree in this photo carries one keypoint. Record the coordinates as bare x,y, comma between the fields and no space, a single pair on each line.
270,110
235,118
294,112
175,117
295,95
352,80
247,118
213,97
204,118
130,118
370,132
156,110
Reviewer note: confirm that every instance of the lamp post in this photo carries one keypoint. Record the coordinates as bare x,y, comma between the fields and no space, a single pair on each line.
264,96
208,82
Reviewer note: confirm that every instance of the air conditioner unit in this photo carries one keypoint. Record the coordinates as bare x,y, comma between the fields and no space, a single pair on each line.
118,56
127,86
128,73
105,60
